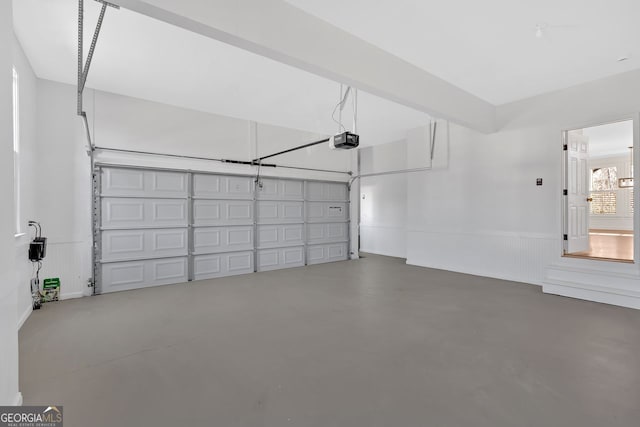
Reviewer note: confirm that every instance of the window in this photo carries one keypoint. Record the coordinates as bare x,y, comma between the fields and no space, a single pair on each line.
16,152
604,183
603,179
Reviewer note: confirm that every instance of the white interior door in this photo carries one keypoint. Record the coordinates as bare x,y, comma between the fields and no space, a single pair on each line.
578,192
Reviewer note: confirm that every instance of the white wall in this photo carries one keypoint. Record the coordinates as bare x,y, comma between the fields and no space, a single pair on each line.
28,176
383,200
383,194
9,394
383,215
136,124
122,122
64,189
484,214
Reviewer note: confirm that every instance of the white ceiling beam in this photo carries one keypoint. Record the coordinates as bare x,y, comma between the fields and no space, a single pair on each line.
277,30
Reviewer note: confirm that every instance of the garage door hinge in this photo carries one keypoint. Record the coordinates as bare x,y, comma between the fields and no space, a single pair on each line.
565,192
565,237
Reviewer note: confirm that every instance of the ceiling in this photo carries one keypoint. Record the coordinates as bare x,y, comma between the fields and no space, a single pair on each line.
140,57
489,48
609,140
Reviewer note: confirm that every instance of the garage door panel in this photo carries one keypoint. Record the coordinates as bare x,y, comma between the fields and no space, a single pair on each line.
143,183
336,192
124,274
120,276
240,262
327,191
240,237
239,212
326,211
207,266
222,187
123,182
292,234
141,244
169,211
280,235
143,213
168,240
222,239
268,235
168,184
318,254
169,271
281,189
278,212
124,210
123,243
278,258
222,212
223,264
328,232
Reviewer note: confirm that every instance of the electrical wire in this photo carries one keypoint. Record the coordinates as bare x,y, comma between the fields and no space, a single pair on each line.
333,117
343,98
354,107
258,183
37,228
341,104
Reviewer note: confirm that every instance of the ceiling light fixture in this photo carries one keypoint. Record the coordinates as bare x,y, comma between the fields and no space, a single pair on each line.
540,29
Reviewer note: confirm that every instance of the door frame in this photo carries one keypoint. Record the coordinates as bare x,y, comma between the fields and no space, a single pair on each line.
635,119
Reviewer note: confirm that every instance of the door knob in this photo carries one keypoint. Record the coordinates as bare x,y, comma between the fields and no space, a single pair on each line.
589,199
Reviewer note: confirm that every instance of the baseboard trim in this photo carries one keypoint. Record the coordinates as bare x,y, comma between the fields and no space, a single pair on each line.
383,253
505,277
27,312
25,315
71,295
582,292
18,400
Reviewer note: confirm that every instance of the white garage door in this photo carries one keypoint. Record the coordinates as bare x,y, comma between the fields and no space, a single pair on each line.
160,227
143,225
223,212
280,228
327,222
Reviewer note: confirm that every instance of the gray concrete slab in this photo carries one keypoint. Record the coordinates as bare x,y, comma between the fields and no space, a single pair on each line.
368,343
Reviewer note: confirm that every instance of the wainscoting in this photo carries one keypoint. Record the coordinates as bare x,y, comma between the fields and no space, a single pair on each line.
383,240
509,256
526,258
71,262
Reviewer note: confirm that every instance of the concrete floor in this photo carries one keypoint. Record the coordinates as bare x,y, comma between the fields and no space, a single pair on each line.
363,343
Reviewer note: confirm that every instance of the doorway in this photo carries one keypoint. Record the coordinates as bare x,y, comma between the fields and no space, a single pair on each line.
599,187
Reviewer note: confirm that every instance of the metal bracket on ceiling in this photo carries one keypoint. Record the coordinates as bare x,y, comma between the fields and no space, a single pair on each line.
83,67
